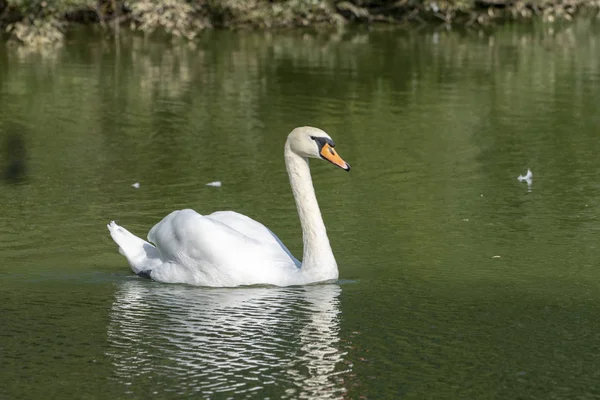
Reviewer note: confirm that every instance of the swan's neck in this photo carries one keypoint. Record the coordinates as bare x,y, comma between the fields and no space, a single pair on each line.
318,262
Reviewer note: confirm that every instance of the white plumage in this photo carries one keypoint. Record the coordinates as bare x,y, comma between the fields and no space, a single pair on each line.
226,248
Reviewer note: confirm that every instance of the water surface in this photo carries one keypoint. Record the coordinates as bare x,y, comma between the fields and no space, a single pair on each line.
456,279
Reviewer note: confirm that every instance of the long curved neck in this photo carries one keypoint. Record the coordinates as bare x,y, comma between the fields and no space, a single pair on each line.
317,260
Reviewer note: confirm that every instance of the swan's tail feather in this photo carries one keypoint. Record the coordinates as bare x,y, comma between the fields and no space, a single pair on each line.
142,256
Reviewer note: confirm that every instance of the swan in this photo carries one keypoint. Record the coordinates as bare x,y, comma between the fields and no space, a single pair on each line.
226,249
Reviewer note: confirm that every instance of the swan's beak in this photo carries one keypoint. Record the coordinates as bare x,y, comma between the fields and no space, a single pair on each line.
329,153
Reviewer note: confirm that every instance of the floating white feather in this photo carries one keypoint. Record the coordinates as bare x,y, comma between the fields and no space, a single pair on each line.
527,178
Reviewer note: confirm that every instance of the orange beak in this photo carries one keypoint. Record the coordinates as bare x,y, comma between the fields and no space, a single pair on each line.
329,153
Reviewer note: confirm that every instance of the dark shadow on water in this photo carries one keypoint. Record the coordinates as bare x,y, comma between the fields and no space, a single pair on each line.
14,161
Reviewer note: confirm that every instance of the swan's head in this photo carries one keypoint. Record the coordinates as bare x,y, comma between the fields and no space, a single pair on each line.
312,142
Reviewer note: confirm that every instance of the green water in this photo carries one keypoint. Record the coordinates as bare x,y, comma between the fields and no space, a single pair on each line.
457,281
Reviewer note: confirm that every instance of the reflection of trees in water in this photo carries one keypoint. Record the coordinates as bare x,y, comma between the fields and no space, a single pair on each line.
244,342
224,83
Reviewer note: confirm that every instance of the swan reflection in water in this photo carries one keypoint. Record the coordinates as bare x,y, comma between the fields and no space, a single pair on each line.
242,342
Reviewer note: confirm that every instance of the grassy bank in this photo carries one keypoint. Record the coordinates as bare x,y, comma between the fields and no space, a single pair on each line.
46,21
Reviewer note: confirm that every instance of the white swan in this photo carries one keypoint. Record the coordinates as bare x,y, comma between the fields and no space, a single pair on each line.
226,248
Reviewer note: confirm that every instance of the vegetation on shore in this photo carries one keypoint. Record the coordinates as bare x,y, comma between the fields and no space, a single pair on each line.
45,21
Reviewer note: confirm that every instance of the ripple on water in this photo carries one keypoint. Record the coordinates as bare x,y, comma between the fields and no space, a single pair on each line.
239,341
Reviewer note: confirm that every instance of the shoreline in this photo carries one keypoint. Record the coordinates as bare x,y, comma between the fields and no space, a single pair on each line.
42,23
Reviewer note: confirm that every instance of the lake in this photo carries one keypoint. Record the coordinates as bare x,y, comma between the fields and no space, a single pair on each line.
457,280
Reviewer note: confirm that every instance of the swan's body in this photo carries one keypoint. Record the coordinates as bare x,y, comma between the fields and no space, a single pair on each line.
230,249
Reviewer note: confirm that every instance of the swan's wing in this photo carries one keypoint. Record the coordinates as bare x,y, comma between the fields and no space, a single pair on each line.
205,249
185,235
250,228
